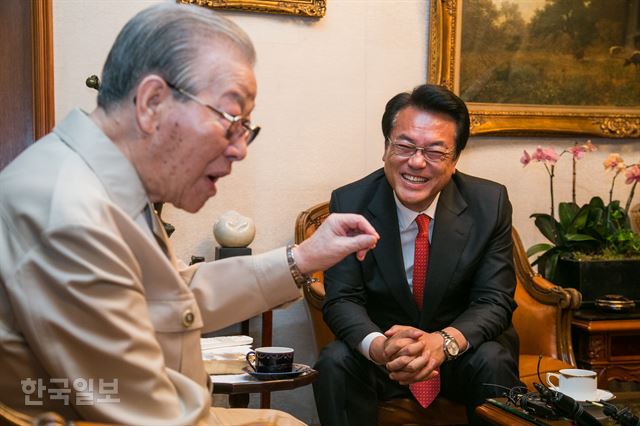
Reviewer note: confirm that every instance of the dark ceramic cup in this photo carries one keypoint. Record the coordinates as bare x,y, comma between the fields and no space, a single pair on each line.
271,359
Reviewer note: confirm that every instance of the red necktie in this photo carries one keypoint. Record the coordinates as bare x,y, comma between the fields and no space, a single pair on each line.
425,392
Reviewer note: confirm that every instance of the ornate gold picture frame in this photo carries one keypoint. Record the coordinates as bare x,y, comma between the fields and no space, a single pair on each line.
312,8
444,61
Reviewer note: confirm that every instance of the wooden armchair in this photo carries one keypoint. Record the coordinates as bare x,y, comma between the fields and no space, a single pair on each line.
11,417
542,320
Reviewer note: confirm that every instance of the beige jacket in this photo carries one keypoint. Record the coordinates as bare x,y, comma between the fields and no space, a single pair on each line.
87,296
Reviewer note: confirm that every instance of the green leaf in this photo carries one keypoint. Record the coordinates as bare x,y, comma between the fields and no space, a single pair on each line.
579,237
547,262
547,226
537,248
580,218
551,266
596,202
567,213
615,218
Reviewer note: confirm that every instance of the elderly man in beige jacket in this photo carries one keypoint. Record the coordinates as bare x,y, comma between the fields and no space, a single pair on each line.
97,319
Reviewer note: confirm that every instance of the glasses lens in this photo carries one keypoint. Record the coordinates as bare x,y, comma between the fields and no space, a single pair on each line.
253,133
243,129
435,155
403,150
407,150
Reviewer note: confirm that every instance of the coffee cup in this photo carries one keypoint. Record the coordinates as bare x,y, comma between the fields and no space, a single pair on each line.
271,359
581,385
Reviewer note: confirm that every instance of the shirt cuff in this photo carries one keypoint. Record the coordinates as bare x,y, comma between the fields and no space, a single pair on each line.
364,346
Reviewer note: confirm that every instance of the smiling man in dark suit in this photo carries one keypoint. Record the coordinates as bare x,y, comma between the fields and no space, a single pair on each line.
429,311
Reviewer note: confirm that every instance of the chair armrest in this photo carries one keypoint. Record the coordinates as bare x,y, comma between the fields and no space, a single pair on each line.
544,313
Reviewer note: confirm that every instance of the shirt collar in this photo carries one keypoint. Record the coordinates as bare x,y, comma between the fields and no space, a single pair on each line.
115,171
407,216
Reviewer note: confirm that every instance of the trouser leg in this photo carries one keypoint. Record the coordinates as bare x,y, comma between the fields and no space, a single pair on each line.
345,391
483,372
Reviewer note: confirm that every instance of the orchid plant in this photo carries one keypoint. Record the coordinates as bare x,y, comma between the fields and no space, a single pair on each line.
615,163
594,229
549,157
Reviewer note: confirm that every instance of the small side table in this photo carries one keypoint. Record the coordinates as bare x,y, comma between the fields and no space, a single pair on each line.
267,317
608,344
239,386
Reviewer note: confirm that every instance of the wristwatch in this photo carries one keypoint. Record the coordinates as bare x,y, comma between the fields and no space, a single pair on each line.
301,280
451,347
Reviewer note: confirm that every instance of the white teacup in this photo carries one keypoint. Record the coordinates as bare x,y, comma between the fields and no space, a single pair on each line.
581,385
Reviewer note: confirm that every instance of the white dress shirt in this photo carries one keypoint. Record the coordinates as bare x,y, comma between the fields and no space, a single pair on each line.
408,233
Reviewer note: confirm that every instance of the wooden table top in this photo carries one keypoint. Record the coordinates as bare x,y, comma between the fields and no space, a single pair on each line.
232,384
499,416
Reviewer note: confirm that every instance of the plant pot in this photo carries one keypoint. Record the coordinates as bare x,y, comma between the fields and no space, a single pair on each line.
595,278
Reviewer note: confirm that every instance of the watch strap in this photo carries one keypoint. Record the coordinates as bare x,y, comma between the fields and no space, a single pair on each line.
301,280
448,338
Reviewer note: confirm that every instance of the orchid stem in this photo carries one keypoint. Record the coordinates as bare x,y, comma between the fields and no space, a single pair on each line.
633,190
551,175
573,183
613,182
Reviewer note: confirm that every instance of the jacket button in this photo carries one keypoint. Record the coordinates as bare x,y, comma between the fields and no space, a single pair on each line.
187,318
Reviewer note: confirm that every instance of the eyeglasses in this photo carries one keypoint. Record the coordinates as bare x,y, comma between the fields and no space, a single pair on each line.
238,123
407,150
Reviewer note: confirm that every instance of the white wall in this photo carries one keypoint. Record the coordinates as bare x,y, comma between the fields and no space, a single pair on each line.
322,89
322,86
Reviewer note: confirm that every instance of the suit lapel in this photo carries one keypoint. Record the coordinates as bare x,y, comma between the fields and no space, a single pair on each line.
388,251
450,236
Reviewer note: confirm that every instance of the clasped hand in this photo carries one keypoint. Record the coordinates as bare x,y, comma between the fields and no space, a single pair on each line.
412,355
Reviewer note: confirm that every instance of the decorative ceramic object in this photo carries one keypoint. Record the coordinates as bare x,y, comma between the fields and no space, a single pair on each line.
234,230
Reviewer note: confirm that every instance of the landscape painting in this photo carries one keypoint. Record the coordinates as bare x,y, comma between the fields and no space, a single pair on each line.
540,67
550,52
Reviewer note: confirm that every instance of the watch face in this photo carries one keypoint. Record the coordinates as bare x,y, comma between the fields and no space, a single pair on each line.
452,348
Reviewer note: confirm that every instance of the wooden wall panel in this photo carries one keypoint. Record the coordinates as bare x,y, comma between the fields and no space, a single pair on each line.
43,102
16,82
26,75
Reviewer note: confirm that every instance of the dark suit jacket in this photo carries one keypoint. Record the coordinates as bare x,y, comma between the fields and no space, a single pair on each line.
471,279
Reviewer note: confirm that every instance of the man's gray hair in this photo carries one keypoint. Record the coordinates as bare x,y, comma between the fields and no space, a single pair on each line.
165,39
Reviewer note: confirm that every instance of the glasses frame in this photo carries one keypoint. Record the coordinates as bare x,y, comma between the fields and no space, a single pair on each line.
423,151
249,130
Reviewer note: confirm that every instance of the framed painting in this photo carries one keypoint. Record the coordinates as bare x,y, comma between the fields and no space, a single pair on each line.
540,67
313,8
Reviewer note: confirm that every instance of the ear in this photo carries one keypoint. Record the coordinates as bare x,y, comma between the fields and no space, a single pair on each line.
386,150
455,160
150,95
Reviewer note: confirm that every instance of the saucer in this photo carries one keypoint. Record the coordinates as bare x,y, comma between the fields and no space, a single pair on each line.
601,395
298,369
